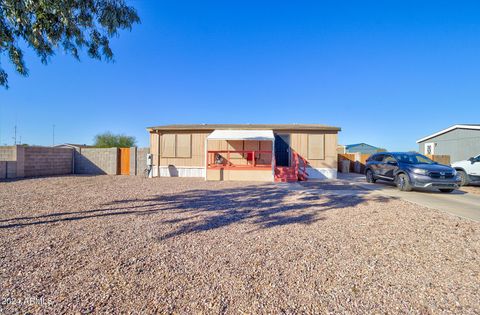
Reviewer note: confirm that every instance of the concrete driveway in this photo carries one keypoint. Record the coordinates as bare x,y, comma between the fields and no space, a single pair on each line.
459,203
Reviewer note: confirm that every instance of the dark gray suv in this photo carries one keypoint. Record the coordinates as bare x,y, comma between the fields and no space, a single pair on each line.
409,170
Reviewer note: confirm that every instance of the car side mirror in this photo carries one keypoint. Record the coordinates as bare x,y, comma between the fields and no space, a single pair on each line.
472,160
392,163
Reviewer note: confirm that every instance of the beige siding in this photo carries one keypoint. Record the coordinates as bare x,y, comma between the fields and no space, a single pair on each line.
299,143
155,147
217,145
184,146
235,145
197,150
265,158
252,145
316,147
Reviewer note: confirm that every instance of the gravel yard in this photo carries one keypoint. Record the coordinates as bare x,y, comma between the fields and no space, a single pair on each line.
116,244
471,189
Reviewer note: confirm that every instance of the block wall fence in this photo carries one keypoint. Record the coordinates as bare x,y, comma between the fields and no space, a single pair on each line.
31,161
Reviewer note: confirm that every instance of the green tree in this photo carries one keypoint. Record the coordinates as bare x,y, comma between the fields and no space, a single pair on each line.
71,25
110,140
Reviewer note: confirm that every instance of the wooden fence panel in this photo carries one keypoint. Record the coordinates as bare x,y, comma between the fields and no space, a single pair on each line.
442,159
355,159
363,161
346,156
124,159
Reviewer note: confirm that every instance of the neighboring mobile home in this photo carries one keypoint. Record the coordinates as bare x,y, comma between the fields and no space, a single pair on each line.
286,152
460,142
362,148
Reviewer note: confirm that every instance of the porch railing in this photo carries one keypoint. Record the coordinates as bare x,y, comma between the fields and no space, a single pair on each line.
242,159
300,166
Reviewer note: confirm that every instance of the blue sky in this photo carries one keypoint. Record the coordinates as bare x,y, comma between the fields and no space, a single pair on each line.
386,72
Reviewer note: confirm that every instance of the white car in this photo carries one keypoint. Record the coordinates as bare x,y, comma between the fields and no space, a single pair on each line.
468,170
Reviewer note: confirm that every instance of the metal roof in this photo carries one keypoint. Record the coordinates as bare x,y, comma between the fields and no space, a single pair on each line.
231,134
348,146
276,127
465,126
74,145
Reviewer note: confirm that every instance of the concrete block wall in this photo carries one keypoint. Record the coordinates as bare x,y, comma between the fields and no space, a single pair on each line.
8,169
96,161
133,161
138,160
44,161
3,169
22,161
8,153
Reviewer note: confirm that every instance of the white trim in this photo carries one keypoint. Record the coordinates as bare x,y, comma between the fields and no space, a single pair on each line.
182,171
219,134
448,130
182,166
206,159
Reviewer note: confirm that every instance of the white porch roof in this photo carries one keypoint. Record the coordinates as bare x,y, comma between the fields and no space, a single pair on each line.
219,134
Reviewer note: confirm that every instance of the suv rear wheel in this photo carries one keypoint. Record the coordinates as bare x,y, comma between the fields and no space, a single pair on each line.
370,177
403,182
464,177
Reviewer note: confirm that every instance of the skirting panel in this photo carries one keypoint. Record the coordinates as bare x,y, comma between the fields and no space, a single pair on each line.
322,173
240,175
154,171
173,171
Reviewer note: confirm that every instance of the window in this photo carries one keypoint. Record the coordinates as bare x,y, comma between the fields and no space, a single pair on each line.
316,147
176,145
168,145
413,158
389,158
379,157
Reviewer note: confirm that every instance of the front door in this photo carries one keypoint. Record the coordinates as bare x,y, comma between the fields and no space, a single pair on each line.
282,150
430,148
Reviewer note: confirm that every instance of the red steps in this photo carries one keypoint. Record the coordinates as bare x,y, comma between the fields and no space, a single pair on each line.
294,173
285,174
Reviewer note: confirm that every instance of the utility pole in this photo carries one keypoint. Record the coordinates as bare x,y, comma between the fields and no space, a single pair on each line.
15,135
53,135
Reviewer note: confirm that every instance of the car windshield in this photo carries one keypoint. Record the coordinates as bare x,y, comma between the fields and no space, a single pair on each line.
411,158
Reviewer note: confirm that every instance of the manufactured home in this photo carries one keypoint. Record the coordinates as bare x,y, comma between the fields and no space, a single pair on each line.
362,148
460,142
286,152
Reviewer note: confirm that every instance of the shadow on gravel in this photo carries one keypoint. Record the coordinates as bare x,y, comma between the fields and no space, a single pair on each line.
262,206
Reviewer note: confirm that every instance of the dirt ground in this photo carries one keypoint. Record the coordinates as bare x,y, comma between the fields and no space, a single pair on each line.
113,244
471,189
